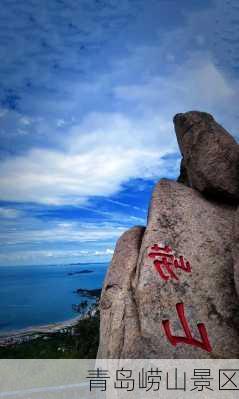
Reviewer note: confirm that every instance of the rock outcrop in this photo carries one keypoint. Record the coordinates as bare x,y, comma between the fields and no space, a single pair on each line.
170,291
236,250
119,322
210,156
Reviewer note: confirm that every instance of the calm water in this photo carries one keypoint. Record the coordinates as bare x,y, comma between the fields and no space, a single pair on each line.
36,295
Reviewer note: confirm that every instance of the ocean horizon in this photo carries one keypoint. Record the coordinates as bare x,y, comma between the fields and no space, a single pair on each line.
39,295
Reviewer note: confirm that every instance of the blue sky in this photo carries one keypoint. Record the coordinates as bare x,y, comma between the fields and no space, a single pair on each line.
88,92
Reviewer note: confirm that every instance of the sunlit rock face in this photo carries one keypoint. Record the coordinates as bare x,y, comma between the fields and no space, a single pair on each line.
170,291
119,330
210,156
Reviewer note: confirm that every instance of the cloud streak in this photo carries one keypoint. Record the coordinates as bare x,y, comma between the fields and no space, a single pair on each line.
10,213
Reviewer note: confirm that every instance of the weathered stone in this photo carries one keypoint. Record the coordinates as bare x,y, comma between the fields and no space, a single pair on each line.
210,155
119,331
183,177
136,300
201,232
235,244
145,297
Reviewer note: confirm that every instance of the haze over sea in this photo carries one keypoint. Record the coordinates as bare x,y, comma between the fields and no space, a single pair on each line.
38,295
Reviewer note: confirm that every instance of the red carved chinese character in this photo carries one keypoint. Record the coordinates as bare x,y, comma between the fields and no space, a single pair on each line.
167,265
167,262
188,338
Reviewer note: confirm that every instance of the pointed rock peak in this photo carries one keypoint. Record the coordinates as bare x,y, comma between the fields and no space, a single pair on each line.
183,123
210,156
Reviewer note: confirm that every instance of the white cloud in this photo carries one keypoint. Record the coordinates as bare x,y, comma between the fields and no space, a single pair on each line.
60,122
108,149
101,154
104,151
40,233
10,213
107,251
46,256
195,82
24,120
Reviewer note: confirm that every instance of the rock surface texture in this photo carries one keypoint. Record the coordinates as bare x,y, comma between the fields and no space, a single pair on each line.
172,289
210,156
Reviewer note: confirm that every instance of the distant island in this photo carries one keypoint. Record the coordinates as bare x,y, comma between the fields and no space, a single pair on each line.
79,264
85,271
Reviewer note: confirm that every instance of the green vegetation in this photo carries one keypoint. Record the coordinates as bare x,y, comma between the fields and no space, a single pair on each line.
80,342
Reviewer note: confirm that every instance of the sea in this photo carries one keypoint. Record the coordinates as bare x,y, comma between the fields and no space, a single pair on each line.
39,295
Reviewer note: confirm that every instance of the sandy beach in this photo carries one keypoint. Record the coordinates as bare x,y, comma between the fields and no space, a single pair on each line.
33,332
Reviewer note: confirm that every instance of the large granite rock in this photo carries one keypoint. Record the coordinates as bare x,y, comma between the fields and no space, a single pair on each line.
119,332
201,232
172,289
235,245
134,319
210,156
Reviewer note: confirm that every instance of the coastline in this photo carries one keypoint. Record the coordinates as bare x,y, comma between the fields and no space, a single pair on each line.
33,332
